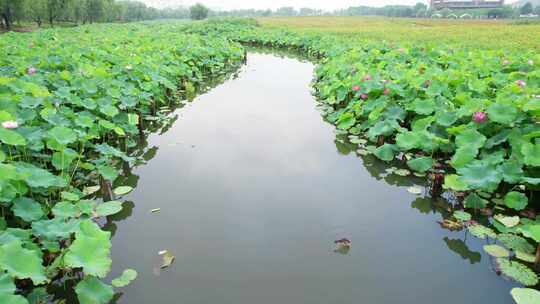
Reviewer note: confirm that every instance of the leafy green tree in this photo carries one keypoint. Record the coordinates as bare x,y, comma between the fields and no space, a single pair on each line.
198,12
526,9
36,10
9,9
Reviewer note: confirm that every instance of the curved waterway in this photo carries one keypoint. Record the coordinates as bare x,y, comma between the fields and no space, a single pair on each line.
253,188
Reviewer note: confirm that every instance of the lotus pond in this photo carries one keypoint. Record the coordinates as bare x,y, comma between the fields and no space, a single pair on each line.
427,183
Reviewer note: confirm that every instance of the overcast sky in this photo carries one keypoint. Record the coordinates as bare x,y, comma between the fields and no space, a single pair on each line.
272,4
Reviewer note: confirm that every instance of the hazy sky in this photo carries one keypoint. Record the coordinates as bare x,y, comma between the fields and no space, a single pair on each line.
272,4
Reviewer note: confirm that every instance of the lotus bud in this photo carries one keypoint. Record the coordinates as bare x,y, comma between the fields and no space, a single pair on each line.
356,88
31,71
479,117
10,124
520,83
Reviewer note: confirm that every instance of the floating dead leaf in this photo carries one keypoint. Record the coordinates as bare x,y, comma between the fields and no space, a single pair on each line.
155,210
451,225
415,190
167,258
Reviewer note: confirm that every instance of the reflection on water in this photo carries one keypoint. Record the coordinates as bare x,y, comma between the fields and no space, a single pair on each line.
254,188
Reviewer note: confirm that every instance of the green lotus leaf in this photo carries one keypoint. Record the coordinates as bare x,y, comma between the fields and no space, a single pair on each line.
474,201
346,121
502,113
92,291
27,209
37,177
63,135
454,182
122,190
108,208
69,196
525,257
86,206
531,153
127,276
481,231
516,200
55,229
12,299
462,216
518,272
408,140
480,175
22,263
108,172
12,138
512,171
7,285
90,250
65,210
420,164
470,138
385,152
61,160
525,295
463,156
422,106
496,251
446,119
515,242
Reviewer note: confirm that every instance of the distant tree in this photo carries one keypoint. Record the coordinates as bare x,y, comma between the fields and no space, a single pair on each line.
526,9
198,12
537,10
9,9
445,12
36,11
286,11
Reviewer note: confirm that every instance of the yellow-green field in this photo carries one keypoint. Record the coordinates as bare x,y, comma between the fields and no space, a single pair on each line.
492,34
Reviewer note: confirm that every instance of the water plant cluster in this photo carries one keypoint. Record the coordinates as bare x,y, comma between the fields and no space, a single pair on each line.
73,102
466,119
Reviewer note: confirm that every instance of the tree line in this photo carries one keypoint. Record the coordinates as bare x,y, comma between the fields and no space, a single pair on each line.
80,12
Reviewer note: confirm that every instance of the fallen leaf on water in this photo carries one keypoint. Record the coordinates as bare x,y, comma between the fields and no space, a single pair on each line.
155,210
167,257
415,190
122,190
451,225
343,246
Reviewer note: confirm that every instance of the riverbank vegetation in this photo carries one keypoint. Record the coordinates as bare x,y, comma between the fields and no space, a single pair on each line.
453,108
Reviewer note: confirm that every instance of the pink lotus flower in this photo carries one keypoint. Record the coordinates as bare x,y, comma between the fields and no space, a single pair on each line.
520,83
356,88
530,62
506,62
31,70
385,81
10,124
479,117
367,77
386,91
363,96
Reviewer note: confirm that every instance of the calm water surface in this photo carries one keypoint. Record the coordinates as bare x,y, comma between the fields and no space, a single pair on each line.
254,188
